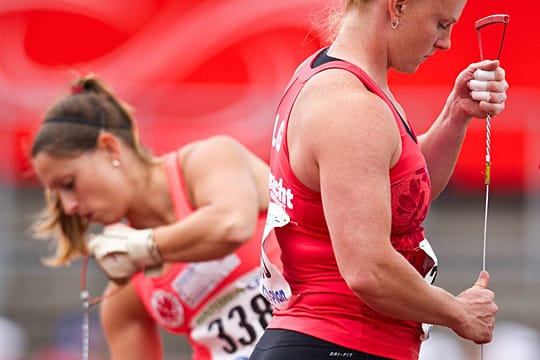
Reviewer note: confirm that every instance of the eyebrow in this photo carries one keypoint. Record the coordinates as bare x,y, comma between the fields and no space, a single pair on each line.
59,181
450,20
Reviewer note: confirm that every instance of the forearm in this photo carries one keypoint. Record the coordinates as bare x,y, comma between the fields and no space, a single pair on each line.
209,233
204,235
136,345
397,290
130,332
442,143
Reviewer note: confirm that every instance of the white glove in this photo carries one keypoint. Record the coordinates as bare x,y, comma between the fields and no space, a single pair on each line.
122,251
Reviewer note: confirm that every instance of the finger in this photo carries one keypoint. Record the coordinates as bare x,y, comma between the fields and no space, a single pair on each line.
491,108
497,98
118,231
478,85
481,95
487,337
489,98
485,75
483,280
496,88
116,228
488,64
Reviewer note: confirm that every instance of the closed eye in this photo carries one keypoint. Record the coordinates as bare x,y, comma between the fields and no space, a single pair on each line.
68,185
443,26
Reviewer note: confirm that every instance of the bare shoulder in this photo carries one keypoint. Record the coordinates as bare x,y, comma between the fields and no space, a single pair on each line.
211,149
222,144
342,94
222,154
222,141
336,111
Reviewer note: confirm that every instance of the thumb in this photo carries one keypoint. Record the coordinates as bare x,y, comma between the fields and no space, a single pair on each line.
116,228
488,65
483,280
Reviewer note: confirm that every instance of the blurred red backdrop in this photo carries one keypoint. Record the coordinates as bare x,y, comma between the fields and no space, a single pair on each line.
194,68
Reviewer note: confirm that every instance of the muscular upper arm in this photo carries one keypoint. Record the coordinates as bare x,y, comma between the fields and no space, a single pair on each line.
352,142
130,332
223,174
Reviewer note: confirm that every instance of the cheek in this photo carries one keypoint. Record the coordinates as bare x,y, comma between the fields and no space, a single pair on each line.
114,191
427,37
99,188
418,40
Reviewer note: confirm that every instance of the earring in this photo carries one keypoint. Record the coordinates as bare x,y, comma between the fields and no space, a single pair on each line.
395,24
116,163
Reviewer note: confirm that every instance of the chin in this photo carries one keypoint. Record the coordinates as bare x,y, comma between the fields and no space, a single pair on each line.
407,69
112,222
415,69
107,221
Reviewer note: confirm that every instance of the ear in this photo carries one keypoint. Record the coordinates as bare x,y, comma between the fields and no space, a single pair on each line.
110,144
396,8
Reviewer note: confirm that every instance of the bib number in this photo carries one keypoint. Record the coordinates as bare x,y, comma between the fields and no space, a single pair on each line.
273,285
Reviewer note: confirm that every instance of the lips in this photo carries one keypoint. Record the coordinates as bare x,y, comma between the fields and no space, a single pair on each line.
88,217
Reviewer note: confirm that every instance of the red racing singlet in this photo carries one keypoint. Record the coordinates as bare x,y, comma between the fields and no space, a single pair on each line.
311,296
216,304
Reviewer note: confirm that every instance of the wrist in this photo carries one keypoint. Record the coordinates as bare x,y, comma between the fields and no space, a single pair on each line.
457,317
143,249
455,113
152,247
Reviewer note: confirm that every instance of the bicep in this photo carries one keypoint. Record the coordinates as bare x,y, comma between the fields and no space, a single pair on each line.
220,174
358,213
354,181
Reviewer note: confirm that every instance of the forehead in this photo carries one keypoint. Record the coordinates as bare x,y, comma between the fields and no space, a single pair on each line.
451,9
51,168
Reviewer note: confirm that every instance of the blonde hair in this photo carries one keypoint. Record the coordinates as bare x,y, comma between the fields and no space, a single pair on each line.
329,19
326,20
71,127
354,3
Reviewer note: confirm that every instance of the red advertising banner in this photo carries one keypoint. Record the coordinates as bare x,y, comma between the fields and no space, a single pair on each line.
195,68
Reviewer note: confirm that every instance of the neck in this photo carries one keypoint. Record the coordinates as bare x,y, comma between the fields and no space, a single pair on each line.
152,205
361,41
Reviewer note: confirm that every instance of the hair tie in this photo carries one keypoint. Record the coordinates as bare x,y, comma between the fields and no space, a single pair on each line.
77,89
83,121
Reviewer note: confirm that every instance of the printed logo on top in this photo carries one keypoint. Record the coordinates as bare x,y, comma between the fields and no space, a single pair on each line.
280,194
167,309
273,286
277,133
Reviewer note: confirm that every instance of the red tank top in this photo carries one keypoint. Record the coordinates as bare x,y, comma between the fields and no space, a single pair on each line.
324,306
216,304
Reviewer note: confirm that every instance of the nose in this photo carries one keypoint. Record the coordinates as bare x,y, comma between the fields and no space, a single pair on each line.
69,203
444,42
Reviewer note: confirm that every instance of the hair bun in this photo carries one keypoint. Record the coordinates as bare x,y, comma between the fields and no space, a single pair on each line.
77,89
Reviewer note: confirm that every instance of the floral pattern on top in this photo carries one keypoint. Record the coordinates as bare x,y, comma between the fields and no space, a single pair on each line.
410,201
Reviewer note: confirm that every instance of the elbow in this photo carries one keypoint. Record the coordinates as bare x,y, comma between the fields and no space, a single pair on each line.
367,285
237,230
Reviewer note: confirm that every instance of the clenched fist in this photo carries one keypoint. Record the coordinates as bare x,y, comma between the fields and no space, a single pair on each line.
122,251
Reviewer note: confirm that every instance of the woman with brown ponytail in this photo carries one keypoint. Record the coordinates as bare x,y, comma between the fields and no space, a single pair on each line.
195,219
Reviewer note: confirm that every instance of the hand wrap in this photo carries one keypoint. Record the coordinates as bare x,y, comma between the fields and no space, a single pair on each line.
122,251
